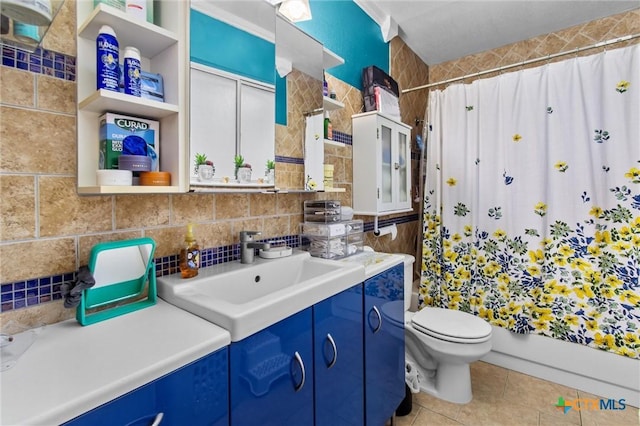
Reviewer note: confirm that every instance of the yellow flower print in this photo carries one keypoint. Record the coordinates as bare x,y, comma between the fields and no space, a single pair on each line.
550,285
540,209
566,251
591,325
536,256
594,277
562,290
607,292
504,278
486,314
451,182
603,237
584,291
594,250
581,264
541,325
621,246
481,260
499,234
546,299
624,232
622,86
571,320
517,137
546,241
627,352
451,256
633,174
635,241
446,244
468,230
560,260
613,281
561,166
595,314
503,288
596,212
631,339
631,297
635,225
533,270
466,259
607,340
456,237
492,269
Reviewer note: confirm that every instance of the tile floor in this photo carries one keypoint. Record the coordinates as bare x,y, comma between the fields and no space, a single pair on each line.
506,397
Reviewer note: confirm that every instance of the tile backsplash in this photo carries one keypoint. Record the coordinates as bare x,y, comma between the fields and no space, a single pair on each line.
41,61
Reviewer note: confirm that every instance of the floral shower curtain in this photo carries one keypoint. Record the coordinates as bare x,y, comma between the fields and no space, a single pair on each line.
532,200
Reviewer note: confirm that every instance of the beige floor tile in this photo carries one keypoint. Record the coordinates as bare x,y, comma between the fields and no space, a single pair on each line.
629,416
497,412
558,420
539,394
488,380
430,418
409,418
448,409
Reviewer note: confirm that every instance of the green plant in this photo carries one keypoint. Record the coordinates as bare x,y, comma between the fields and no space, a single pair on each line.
201,159
238,160
271,164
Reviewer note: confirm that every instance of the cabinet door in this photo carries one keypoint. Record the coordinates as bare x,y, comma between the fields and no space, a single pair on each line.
384,344
196,394
271,375
387,155
338,368
402,168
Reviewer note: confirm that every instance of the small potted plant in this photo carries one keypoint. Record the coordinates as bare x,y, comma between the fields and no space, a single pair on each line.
270,171
243,170
204,168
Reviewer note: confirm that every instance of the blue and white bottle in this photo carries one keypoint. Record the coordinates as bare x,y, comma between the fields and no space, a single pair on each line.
131,71
107,66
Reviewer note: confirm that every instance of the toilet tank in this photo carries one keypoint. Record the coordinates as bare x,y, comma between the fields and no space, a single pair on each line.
408,280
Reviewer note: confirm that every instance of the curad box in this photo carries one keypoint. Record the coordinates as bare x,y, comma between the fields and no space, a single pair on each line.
123,134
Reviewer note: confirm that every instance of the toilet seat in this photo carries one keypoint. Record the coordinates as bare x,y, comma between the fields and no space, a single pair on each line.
451,325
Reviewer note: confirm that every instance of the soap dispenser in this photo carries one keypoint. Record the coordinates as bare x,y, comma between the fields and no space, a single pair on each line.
189,255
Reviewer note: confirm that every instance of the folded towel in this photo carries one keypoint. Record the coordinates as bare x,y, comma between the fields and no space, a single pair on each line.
73,292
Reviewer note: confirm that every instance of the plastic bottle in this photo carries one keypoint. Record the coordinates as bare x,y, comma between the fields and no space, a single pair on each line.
328,128
108,68
131,71
325,86
189,255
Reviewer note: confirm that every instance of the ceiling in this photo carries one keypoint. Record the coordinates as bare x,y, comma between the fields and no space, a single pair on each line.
442,30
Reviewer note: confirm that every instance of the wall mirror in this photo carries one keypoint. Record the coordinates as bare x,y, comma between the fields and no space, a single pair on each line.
232,91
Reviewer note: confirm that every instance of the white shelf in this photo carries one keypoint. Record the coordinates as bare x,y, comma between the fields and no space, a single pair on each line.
107,100
330,59
150,39
336,143
122,189
331,104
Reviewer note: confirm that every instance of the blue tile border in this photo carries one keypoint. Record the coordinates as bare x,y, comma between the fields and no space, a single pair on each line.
41,61
28,293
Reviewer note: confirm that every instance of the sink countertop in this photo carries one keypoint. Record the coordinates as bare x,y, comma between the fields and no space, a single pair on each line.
375,262
71,369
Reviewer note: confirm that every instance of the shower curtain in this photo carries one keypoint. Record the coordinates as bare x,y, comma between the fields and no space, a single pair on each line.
532,200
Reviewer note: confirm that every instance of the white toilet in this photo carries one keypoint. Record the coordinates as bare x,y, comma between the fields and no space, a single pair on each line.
441,343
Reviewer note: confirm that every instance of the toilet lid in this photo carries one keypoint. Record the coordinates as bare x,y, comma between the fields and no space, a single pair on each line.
451,325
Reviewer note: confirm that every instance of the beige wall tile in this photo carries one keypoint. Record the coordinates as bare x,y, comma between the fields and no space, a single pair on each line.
34,259
277,226
262,205
289,204
191,208
63,212
249,224
17,209
231,206
54,94
17,87
134,211
37,142
44,313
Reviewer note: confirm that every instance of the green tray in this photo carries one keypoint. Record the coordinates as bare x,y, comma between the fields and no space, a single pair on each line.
122,271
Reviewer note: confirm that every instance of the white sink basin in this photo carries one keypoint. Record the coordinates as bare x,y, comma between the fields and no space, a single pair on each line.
245,299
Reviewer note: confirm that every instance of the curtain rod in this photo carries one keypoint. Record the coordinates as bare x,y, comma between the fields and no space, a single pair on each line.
529,61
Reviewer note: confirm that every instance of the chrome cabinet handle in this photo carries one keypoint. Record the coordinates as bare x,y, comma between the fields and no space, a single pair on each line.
375,309
158,419
335,351
304,374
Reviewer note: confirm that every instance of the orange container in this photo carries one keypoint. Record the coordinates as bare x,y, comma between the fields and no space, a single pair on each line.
155,178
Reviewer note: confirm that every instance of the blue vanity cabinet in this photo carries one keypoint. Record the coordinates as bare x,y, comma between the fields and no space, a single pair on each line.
384,344
196,394
271,374
338,365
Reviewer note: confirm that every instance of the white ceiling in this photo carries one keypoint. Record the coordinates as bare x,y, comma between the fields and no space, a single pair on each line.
442,30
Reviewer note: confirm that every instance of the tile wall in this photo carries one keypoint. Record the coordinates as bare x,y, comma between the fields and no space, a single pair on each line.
47,230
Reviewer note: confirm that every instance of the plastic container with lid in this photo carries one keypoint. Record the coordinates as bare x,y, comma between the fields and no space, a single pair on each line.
131,71
155,178
135,163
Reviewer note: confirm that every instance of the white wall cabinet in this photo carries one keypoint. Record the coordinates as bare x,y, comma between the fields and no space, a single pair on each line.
163,50
381,165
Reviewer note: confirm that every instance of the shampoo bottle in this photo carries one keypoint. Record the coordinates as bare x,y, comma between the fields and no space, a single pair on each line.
189,255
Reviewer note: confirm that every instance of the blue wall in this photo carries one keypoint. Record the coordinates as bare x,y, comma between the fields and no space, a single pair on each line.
225,47
348,31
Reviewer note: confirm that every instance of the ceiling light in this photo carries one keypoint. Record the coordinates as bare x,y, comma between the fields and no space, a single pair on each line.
296,10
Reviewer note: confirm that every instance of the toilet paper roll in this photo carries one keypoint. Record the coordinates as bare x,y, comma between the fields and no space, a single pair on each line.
391,229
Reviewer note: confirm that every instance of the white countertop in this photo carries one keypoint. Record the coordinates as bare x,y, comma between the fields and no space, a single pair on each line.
71,369
375,262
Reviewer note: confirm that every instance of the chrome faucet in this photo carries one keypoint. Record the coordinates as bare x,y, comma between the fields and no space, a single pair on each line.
248,246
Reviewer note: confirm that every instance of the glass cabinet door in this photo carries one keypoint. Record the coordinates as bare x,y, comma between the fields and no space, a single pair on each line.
386,172
401,166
